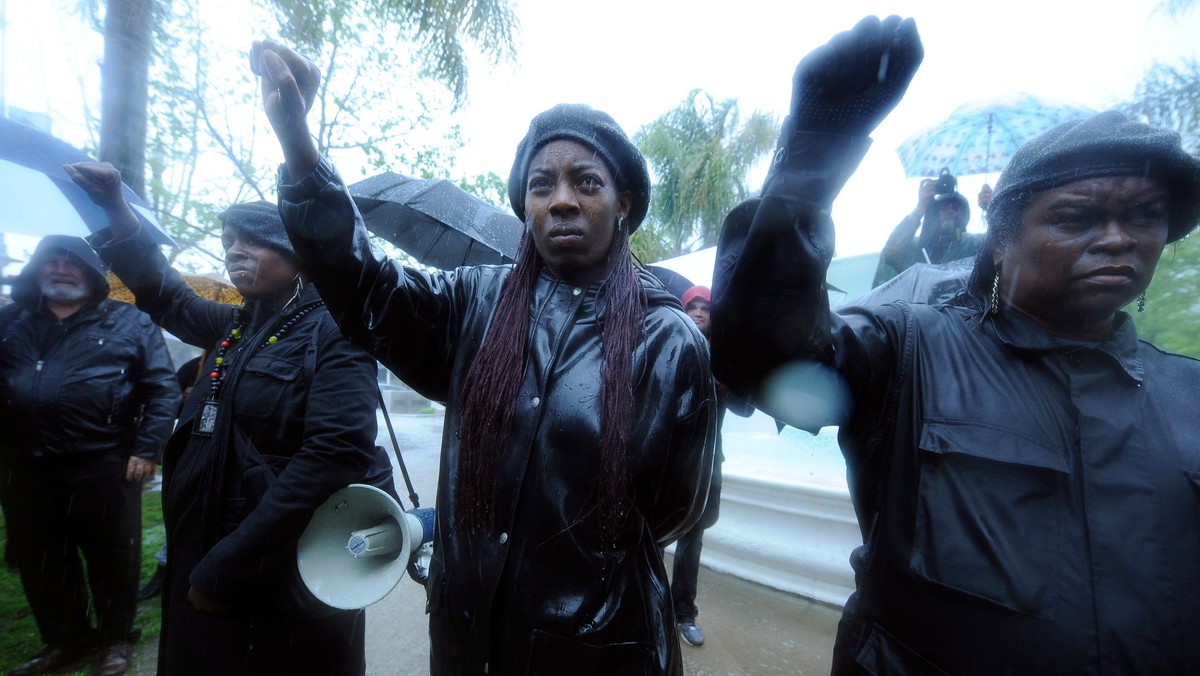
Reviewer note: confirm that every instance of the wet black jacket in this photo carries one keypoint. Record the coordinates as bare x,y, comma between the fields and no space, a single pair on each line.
79,385
1028,505
536,597
292,428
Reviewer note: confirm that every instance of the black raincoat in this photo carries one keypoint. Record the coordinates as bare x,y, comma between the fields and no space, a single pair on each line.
296,422
1028,505
540,595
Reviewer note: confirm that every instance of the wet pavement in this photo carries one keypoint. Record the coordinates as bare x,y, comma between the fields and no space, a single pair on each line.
750,629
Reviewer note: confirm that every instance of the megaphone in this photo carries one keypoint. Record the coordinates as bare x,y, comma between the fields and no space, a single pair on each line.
383,540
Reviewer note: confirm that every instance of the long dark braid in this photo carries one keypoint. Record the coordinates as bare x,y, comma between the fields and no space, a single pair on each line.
621,331
490,392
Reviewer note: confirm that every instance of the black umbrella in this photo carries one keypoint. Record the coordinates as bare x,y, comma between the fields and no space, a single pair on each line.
40,199
922,283
436,222
672,281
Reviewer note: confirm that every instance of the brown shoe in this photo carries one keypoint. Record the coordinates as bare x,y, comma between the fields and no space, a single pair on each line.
51,658
114,659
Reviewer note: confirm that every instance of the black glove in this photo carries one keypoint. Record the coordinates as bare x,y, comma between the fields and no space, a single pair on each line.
848,85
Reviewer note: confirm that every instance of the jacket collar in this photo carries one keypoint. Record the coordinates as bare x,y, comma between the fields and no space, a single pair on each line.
656,295
1019,331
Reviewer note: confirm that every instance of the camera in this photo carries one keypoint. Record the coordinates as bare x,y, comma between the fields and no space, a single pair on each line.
946,183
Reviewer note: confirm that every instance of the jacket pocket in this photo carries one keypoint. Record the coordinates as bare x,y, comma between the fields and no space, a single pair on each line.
255,476
988,511
549,653
881,653
263,385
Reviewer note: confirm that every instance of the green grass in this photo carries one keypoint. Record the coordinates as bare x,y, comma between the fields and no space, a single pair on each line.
19,638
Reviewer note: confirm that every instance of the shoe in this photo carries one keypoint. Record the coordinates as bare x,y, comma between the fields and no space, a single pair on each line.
154,586
51,658
691,633
114,659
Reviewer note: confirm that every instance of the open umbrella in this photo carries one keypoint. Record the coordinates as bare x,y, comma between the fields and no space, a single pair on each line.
40,199
981,136
436,222
921,283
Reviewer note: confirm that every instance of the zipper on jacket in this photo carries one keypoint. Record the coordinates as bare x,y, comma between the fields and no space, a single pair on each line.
38,367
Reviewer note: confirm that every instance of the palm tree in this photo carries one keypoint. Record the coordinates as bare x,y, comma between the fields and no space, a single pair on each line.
1169,96
700,154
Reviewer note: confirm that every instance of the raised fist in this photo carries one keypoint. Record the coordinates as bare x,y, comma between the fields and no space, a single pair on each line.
848,85
289,84
100,180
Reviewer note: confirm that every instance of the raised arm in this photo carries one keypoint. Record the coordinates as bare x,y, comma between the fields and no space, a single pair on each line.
770,305
897,251
136,259
102,183
289,87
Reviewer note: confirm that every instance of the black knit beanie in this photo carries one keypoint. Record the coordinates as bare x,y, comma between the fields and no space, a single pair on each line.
596,130
260,222
1106,144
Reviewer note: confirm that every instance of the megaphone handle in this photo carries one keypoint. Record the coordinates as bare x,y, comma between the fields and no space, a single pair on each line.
412,493
417,573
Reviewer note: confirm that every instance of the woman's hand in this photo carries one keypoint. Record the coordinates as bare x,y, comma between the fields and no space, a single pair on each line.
289,87
102,183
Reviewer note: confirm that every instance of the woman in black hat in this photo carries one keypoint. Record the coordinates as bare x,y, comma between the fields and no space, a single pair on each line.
1025,470
579,403
283,417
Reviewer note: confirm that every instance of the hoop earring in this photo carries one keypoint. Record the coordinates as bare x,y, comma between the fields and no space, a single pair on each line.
995,308
1141,302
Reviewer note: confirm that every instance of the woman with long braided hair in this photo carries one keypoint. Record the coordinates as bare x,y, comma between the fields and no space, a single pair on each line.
579,402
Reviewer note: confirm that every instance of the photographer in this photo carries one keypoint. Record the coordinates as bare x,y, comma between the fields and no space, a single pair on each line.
945,213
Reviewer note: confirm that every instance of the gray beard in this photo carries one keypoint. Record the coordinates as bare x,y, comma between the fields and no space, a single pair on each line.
65,293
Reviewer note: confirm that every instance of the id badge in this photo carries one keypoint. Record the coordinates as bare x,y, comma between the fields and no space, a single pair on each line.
206,422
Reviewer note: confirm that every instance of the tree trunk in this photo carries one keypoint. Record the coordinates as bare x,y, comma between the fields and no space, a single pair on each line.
124,82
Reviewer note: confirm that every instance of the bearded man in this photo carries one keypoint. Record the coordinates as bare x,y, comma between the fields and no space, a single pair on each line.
87,399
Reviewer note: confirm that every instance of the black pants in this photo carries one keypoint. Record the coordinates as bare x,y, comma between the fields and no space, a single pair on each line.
58,508
685,570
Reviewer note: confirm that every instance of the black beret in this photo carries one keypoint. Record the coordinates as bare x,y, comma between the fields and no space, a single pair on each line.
596,130
260,222
1106,144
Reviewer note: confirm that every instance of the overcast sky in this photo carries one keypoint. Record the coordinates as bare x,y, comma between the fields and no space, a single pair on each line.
638,58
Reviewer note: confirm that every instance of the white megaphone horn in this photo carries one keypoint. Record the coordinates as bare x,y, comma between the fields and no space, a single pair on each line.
383,540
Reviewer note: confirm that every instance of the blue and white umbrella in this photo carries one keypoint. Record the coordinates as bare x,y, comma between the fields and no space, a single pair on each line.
40,199
980,137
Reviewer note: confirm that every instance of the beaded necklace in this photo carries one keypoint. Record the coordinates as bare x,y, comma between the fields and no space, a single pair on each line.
207,420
